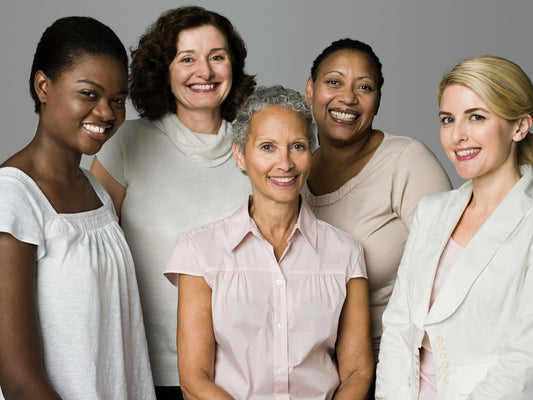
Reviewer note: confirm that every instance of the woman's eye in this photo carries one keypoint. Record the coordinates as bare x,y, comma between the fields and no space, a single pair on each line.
187,60
218,57
333,82
367,88
446,120
298,146
89,93
119,101
266,147
477,117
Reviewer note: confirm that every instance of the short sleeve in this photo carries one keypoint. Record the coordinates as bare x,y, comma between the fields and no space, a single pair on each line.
417,174
112,155
357,267
184,260
21,214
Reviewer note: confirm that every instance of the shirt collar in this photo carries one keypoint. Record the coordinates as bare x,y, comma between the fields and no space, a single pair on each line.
242,225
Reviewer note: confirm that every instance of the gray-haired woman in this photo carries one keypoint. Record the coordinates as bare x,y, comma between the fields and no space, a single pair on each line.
272,301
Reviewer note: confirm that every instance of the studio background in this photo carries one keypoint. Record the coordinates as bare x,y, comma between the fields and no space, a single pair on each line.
416,40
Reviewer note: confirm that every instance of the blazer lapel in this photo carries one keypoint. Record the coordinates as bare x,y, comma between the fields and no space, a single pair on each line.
480,250
431,246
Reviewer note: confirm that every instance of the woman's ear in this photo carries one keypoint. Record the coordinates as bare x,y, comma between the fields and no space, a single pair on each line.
40,84
309,91
523,127
239,157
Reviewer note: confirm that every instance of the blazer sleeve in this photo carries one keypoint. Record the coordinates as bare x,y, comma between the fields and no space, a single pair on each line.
511,377
393,378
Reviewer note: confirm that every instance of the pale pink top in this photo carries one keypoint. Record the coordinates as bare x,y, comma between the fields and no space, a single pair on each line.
428,386
275,323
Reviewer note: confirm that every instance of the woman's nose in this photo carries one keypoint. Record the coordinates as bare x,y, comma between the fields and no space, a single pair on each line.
285,161
349,96
459,132
105,111
204,70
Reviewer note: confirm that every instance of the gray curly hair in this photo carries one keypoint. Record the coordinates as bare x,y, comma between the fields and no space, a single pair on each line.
264,97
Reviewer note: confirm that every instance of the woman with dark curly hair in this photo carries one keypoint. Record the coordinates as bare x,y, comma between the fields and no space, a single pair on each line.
172,170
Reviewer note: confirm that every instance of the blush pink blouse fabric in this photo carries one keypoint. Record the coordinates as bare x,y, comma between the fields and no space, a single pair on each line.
275,323
428,386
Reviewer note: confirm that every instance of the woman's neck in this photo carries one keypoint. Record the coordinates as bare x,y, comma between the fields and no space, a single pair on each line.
333,165
201,121
489,191
275,222
350,152
44,159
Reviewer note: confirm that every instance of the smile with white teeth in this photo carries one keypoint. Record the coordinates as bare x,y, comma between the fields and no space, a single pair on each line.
96,128
462,153
343,115
203,87
284,179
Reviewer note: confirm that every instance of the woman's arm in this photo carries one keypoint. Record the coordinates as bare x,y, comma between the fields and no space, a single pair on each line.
393,369
196,341
21,371
511,375
115,189
354,344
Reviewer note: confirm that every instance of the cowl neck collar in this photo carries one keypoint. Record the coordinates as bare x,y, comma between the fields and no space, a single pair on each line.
207,149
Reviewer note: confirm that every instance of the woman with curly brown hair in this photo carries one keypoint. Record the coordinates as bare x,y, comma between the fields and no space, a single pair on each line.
172,170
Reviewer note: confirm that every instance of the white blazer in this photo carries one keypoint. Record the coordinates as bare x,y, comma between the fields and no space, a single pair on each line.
481,324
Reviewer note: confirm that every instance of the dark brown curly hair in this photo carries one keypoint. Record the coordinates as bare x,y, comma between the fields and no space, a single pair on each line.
150,81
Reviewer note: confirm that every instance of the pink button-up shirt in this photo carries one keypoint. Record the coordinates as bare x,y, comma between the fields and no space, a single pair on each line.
275,323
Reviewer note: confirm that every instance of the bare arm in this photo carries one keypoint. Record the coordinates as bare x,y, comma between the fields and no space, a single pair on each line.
354,346
196,341
115,189
21,371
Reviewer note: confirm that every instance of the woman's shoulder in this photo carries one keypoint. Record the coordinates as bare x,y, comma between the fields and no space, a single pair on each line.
24,207
331,235
439,202
139,126
16,184
403,145
218,233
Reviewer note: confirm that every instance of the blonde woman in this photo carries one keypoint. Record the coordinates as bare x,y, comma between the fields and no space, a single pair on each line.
459,322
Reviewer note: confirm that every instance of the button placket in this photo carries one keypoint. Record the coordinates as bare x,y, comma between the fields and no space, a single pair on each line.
441,351
281,356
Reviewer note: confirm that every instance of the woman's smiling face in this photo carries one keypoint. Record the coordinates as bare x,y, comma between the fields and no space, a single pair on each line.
477,141
345,96
201,74
84,106
277,155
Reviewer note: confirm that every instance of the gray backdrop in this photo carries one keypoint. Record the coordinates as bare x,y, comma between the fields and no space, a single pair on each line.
416,40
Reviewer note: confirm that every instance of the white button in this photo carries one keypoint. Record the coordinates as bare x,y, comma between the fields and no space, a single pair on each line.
279,282
445,380
281,369
280,325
